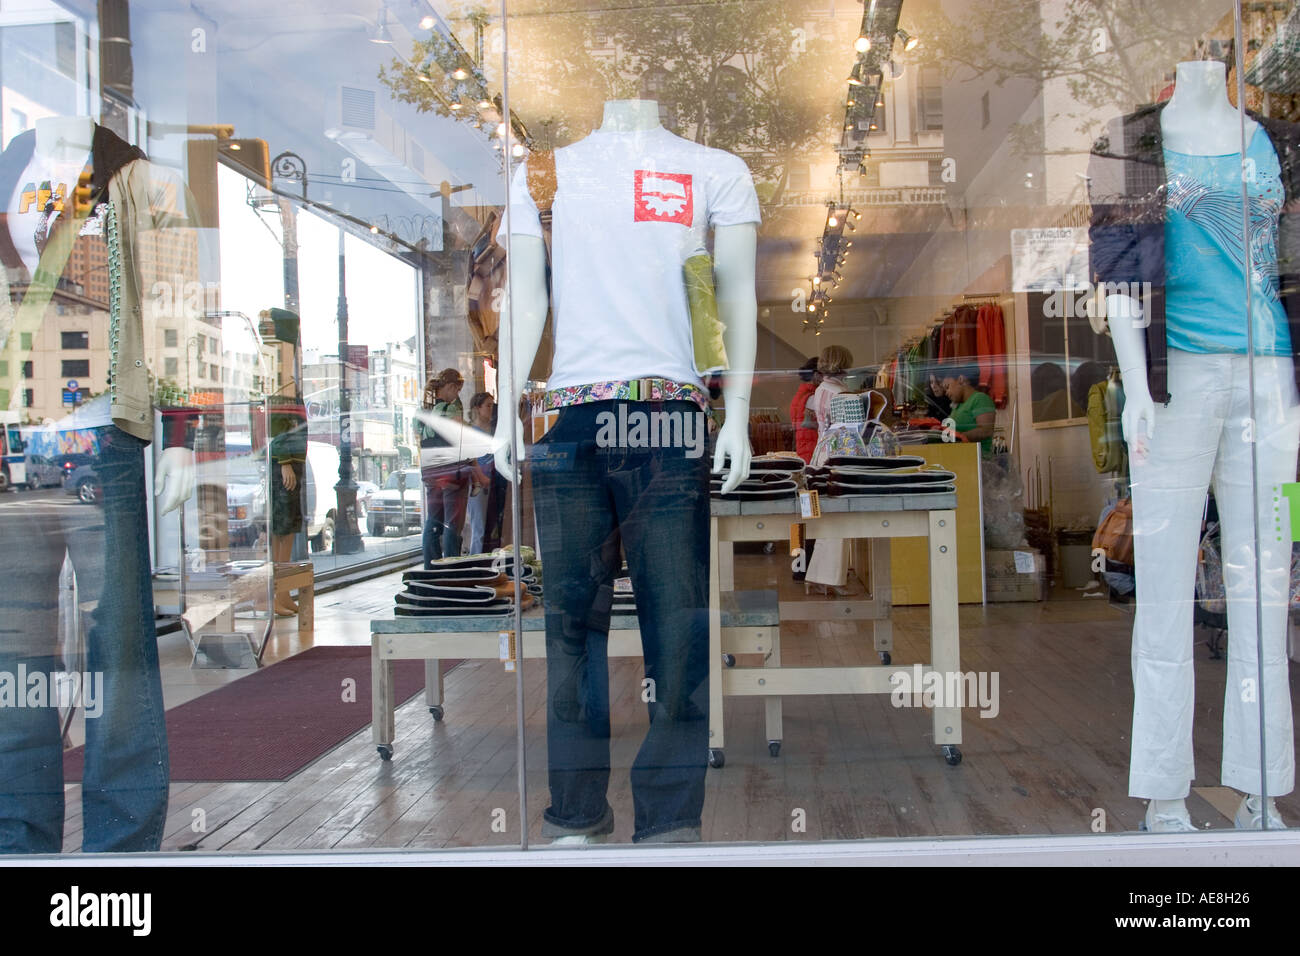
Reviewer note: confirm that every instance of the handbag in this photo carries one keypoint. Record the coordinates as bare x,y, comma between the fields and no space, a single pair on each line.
1114,536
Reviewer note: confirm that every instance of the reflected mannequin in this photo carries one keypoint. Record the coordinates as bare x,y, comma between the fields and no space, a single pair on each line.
632,203
124,204
1185,348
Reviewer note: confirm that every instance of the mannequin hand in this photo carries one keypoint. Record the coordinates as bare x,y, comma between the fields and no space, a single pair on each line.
174,478
1138,421
507,459
288,477
733,443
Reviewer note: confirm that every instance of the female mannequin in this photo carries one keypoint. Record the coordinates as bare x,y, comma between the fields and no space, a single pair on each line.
1202,433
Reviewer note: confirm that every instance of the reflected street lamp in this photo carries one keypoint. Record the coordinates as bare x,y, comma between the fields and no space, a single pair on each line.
347,536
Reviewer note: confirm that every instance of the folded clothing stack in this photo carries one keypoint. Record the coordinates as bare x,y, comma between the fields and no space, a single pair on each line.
771,477
472,586
855,477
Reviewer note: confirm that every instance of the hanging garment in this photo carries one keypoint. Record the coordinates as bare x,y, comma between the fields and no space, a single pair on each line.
991,347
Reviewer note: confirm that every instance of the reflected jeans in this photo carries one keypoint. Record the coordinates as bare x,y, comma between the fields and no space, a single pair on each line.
652,504
1202,438
446,491
124,786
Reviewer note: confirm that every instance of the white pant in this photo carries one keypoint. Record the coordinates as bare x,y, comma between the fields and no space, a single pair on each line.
1203,436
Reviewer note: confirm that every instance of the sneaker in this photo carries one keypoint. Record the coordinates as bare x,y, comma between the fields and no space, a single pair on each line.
580,839
1249,816
1167,819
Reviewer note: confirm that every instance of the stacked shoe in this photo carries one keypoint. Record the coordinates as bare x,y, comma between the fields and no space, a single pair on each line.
480,585
854,477
624,600
771,478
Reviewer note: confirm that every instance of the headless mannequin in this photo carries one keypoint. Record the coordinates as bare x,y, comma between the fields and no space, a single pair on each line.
64,139
734,252
1199,120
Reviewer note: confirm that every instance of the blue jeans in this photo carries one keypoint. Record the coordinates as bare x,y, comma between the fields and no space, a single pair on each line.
652,504
446,492
124,787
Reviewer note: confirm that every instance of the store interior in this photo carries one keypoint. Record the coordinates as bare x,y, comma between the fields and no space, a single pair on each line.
351,163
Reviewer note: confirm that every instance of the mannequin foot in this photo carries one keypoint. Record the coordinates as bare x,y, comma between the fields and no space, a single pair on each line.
1167,816
1251,817
581,839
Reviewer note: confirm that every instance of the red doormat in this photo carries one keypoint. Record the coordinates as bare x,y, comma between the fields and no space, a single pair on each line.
272,723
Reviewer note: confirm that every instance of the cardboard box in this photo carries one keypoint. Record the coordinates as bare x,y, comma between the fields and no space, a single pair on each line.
1014,575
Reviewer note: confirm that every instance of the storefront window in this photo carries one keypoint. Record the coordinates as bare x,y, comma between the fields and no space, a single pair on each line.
536,423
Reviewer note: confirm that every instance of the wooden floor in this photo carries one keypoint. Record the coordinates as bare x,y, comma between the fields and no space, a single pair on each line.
1054,759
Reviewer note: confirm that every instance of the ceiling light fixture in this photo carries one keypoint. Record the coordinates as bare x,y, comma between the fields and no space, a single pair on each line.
862,44
909,41
459,73
379,32
427,22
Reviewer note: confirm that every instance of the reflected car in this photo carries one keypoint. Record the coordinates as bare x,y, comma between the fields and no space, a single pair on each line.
365,489
46,471
386,505
84,483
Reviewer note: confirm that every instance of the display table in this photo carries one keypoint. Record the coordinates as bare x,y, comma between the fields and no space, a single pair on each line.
880,518
208,602
740,622
748,625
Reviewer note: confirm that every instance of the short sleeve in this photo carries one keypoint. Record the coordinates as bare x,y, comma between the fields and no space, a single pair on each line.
524,219
732,199
982,404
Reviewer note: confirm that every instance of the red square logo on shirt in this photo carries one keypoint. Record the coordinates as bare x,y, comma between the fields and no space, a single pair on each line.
663,197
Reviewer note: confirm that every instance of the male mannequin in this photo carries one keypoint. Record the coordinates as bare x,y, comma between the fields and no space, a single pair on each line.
124,792
1201,433
628,496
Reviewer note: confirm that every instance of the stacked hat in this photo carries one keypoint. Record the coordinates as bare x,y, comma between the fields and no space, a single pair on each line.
624,600
852,476
771,478
481,585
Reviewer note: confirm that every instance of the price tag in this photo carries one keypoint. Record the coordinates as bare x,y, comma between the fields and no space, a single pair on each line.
507,649
808,505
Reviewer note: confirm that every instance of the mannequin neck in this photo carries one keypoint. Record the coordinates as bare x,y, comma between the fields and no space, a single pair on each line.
64,138
1200,86
630,116
1199,120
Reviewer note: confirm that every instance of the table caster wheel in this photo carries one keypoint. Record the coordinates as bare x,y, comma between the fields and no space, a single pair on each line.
716,758
385,751
436,710
729,660
885,658
774,748
951,754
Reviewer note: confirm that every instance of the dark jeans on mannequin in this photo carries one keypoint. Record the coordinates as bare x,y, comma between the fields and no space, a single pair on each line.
125,781
652,504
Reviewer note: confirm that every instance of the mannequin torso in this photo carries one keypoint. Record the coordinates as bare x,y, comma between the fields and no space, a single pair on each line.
635,122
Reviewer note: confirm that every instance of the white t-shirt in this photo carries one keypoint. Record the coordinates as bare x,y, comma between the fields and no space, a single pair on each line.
630,208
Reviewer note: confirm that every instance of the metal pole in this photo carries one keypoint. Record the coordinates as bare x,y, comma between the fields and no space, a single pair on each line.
347,537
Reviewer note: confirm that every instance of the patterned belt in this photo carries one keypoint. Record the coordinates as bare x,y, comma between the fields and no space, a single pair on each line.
635,390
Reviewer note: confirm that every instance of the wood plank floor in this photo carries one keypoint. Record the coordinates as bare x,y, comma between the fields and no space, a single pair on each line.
1053,760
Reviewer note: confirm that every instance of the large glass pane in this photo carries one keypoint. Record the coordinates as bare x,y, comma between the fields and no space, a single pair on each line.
969,233
238,245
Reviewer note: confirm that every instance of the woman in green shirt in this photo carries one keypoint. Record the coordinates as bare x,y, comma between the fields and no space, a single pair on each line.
973,412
